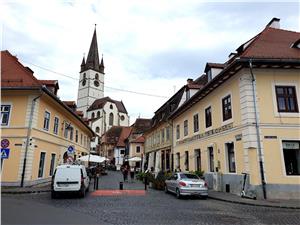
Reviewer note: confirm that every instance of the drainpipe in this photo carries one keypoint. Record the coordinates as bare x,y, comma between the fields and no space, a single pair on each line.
261,165
172,147
28,138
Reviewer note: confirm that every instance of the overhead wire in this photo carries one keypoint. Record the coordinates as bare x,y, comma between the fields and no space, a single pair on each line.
112,88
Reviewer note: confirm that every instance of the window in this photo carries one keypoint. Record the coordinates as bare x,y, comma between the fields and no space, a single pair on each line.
186,128
56,124
226,106
211,159
178,131
196,123
84,141
122,118
84,80
93,115
5,112
71,133
41,165
163,135
52,164
96,83
230,157
98,114
81,139
168,133
186,161
197,159
76,136
66,131
122,152
291,154
188,95
286,99
178,160
208,121
46,120
97,129
111,106
96,76
111,119
138,149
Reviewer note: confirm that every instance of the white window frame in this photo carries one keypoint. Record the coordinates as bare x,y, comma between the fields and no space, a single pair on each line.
177,136
10,113
137,148
208,159
194,123
210,127
54,125
48,111
226,157
282,157
275,108
187,128
231,120
45,159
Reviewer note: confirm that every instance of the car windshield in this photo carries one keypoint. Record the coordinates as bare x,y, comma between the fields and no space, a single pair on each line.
188,176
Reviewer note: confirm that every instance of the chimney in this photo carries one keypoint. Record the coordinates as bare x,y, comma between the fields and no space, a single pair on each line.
189,80
274,23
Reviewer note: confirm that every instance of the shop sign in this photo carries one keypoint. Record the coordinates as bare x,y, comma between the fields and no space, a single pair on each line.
290,145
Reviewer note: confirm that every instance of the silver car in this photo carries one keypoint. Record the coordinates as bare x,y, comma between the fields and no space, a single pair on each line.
186,184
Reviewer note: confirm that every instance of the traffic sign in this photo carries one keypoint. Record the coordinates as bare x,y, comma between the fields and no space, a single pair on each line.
70,149
5,153
4,143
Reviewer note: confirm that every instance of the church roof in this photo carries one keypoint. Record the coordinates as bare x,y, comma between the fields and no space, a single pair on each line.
99,104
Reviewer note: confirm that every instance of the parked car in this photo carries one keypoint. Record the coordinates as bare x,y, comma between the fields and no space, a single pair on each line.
70,178
186,184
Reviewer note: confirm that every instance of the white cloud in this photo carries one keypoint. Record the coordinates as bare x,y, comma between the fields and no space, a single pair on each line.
55,34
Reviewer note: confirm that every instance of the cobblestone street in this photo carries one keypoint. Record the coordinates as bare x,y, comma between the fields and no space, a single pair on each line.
155,207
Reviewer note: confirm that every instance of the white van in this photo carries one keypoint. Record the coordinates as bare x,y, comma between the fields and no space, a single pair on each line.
70,178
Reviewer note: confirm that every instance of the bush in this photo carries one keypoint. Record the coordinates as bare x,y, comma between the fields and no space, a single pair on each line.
199,173
159,181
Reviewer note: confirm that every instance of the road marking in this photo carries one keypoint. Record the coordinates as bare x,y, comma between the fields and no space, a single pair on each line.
119,193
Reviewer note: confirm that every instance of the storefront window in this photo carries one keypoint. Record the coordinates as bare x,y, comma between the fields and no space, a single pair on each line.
291,154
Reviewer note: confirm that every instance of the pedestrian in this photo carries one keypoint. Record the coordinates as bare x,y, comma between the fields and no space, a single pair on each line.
132,173
126,173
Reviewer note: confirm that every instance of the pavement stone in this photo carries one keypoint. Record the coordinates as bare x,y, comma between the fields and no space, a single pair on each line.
113,179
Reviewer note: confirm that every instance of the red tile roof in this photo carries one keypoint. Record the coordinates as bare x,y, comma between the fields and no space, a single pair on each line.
99,103
272,43
14,74
124,135
140,139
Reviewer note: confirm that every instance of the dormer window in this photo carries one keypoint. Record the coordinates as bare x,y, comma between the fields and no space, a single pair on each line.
296,44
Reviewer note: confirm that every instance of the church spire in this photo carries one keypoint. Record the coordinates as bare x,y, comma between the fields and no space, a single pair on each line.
83,64
92,61
102,65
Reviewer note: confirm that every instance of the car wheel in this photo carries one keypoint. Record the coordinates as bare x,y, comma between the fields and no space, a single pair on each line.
178,193
166,189
203,197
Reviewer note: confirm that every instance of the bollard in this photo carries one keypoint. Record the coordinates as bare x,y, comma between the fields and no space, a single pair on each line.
121,185
146,181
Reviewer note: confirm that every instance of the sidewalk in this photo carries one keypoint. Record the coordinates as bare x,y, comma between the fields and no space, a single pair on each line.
27,190
276,203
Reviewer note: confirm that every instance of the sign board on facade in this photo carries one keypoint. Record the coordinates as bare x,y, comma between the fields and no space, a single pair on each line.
4,143
290,145
5,153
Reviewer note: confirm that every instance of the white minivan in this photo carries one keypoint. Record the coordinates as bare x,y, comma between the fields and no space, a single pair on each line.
70,178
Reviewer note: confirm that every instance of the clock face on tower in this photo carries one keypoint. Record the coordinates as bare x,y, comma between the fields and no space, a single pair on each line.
96,83
83,82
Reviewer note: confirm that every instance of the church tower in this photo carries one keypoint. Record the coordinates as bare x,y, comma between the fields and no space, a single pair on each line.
91,81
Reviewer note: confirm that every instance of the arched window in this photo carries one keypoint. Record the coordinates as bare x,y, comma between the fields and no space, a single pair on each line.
97,129
93,115
96,76
111,119
84,76
111,106
98,114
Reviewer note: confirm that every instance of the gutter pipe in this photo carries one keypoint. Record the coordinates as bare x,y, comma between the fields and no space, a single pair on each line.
28,138
261,165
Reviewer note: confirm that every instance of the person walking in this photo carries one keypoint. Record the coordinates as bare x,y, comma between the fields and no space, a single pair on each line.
132,173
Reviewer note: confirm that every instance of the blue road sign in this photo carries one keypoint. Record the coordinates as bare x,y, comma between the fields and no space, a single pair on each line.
70,149
4,153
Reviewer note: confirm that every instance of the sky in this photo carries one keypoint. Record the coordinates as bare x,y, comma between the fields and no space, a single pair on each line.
149,47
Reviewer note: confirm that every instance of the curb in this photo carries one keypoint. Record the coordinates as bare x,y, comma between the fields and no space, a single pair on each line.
253,204
24,192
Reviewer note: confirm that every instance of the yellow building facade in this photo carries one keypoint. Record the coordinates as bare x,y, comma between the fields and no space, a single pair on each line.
39,127
246,120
